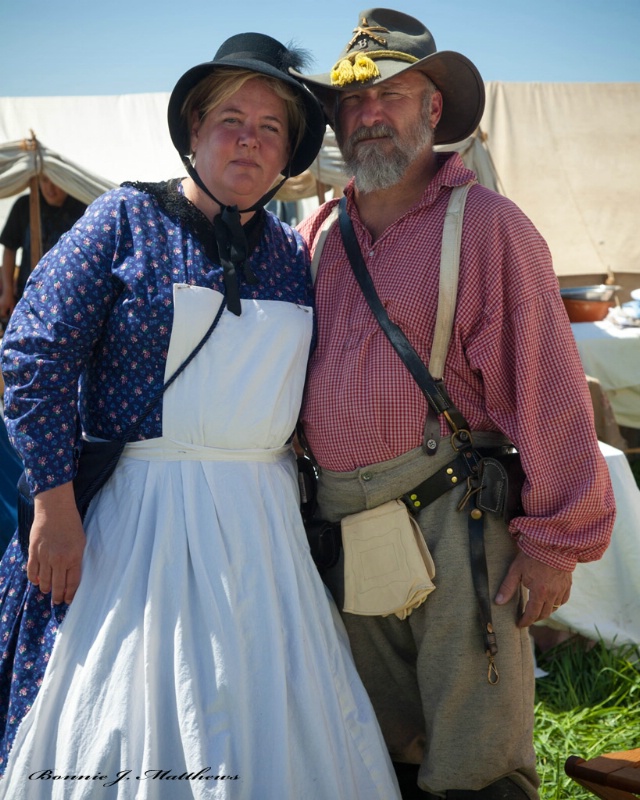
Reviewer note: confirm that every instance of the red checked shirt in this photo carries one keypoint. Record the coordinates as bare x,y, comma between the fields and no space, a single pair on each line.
512,364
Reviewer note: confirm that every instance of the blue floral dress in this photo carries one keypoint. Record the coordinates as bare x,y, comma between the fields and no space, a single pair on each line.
97,312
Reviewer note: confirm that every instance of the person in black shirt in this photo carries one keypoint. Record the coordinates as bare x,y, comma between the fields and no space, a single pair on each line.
58,212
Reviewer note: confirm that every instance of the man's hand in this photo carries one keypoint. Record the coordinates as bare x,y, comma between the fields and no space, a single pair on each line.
548,588
56,544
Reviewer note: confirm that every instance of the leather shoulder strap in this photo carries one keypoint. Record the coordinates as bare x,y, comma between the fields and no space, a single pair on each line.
433,390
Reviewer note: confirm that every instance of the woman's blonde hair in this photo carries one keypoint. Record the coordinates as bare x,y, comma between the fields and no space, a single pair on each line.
218,87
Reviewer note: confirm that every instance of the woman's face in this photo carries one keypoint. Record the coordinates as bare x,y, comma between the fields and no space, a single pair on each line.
242,145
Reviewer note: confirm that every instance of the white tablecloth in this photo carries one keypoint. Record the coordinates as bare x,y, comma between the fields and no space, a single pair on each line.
612,355
605,597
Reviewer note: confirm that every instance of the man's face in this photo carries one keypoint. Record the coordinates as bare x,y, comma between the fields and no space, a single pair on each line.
51,192
383,129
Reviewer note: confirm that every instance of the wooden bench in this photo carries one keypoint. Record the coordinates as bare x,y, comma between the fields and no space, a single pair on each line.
612,776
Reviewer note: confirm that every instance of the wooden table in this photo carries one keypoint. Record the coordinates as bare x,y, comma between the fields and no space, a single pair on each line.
613,776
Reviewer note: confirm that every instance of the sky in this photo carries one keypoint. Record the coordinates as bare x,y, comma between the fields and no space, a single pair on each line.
94,47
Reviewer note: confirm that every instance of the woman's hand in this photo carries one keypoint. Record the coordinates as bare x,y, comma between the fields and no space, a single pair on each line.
56,544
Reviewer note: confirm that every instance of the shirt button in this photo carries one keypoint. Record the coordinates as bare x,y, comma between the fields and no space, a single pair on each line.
366,476
371,253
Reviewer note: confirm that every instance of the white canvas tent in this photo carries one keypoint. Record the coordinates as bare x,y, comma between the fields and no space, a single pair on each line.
569,156
24,160
116,138
565,153
22,164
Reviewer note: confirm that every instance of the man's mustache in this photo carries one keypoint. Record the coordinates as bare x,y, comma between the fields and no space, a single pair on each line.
379,131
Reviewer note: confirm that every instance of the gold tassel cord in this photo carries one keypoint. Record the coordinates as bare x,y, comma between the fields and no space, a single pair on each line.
342,73
363,69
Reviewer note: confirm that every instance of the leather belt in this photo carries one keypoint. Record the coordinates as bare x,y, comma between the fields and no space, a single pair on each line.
448,477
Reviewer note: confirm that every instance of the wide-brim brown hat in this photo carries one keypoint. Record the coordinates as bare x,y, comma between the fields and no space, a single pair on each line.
258,53
386,43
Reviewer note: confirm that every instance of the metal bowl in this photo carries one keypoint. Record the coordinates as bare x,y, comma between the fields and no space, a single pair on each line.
595,293
586,310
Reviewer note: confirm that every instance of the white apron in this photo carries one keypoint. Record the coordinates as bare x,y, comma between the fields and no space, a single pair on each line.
201,657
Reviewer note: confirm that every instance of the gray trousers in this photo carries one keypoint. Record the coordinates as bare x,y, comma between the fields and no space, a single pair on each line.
427,675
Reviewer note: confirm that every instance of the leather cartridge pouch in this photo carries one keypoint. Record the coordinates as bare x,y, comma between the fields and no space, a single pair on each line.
387,566
500,482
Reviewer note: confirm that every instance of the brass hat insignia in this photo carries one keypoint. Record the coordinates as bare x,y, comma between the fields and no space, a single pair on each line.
367,30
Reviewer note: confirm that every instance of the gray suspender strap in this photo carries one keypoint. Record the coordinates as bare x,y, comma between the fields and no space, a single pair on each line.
449,269
321,238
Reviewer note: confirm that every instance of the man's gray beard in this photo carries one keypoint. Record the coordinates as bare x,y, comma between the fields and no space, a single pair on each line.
373,168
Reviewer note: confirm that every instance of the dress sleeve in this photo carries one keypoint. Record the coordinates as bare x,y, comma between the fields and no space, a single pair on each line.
50,337
536,393
303,267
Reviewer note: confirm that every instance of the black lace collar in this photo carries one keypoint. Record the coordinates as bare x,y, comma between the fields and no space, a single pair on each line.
182,210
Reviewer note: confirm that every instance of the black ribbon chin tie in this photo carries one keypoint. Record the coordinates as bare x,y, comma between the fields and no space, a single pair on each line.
233,249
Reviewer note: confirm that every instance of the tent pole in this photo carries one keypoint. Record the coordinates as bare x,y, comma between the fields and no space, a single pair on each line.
34,204
34,220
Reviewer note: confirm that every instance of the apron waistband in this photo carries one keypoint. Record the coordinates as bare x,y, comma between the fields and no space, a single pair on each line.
164,449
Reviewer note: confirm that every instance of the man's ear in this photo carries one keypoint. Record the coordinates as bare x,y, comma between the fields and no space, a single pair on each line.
436,109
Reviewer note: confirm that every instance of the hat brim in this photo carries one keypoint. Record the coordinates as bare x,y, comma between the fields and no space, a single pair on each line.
315,122
455,76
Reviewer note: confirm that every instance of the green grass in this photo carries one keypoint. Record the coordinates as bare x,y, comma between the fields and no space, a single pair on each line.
589,704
